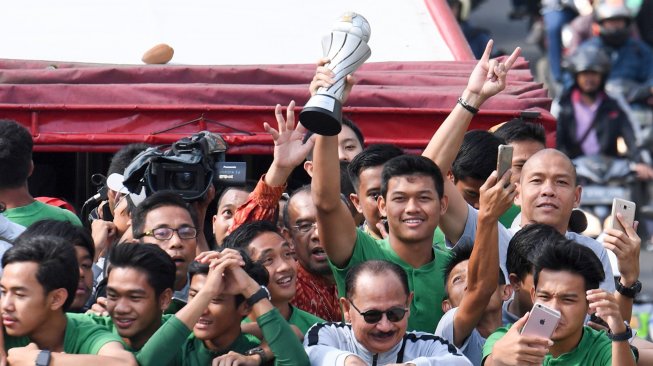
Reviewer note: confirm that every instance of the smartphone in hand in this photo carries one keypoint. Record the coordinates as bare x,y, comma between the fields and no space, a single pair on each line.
542,321
504,159
627,211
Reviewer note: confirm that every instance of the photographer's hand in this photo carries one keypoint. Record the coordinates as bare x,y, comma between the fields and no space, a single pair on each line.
289,150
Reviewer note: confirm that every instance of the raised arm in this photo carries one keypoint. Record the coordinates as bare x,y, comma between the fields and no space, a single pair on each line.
487,79
606,307
112,353
483,268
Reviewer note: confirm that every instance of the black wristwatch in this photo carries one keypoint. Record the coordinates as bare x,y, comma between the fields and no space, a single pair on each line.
258,351
43,359
630,291
262,293
620,337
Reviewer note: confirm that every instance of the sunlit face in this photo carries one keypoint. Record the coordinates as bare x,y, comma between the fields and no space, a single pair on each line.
470,189
548,191
222,220
182,251
133,304
412,207
85,285
121,217
348,144
522,151
457,286
377,292
220,320
369,190
563,291
25,305
310,253
274,252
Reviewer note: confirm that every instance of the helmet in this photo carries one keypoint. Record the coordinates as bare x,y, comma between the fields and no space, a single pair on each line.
610,10
589,58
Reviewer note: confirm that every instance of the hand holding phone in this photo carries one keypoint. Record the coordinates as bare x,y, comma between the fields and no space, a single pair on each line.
504,159
542,321
627,211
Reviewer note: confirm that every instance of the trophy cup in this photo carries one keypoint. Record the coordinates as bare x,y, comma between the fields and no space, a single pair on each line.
347,49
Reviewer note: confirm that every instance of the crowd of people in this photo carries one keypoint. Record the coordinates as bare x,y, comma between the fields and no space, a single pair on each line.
399,259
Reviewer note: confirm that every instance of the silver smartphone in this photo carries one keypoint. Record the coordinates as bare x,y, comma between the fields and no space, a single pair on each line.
504,159
542,321
627,211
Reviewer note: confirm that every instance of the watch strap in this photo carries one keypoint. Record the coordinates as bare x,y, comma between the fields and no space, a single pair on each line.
258,351
43,359
259,295
630,291
620,337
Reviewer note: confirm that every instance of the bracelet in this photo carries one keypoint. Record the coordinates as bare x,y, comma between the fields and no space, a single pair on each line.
468,107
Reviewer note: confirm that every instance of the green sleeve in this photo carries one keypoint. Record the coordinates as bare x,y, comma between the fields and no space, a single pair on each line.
509,216
164,347
85,337
282,340
492,339
72,218
439,241
365,248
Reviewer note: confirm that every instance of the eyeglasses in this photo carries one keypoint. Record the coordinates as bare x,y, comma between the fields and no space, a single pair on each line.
374,316
305,227
165,233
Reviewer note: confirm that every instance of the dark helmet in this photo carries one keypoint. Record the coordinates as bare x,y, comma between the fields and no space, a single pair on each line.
589,58
613,37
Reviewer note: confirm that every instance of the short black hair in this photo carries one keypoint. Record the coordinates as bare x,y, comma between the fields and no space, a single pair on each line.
156,200
286,212
375,267
372,156
247,187
477,157
519,130
16,146
407,165
147,258
56,260
525,246
567,255
76,235
123,157
345,122
247,232
254,269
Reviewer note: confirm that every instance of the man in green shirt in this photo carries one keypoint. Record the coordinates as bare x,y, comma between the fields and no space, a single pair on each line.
567,277
16,166
38,284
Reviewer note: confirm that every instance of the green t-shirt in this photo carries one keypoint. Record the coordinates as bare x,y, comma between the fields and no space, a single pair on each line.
509,216
427,282
595,348
299,318
175,306
35,211
439,242
80,337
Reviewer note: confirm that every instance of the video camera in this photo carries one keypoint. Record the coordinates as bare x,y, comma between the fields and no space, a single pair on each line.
187,167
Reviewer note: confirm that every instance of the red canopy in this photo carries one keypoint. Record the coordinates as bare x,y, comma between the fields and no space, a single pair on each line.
92,107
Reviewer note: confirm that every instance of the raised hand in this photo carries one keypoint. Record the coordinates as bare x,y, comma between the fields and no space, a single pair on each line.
604,305
626,247
496,195
489,76
324,78
517,349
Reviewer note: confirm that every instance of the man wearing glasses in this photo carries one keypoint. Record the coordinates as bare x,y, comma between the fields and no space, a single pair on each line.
166,220
376,307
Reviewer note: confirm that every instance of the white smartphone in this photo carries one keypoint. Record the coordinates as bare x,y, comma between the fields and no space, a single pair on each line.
504,159
627,211
542,321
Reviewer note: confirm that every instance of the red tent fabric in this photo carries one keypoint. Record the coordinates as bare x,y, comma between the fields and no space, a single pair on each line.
92,107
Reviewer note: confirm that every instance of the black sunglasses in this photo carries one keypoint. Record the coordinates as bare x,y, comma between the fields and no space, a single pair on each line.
374,316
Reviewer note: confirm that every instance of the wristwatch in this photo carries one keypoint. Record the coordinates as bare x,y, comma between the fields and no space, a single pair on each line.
620,337
630,291
43,359
262,293
258,351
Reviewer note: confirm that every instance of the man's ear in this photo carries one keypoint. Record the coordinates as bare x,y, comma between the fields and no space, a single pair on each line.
506,292
31,168
444,203
380,203
446,305
286,234
344,304
243,309
165,299
517,200
451,177
56,298
515,282
577,193
353,197
533,294
308,167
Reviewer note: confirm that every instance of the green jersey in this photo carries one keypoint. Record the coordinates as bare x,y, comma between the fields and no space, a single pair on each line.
509,216
595,348
35,211
80,338
427,282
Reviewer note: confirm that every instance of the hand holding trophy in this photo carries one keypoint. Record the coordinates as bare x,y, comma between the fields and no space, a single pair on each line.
347,49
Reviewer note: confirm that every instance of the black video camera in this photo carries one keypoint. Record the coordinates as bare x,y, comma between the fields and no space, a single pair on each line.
188,167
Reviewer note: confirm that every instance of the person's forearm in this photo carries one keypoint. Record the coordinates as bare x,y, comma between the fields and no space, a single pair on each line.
625,305
64,359
325,184
483,268
190,314
165,344
622,355
276,175
322,355
446,141
281,339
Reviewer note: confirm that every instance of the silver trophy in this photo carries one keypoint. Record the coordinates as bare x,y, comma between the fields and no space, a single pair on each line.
347,49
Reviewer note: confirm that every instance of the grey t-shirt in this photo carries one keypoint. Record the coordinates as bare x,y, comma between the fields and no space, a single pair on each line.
472,348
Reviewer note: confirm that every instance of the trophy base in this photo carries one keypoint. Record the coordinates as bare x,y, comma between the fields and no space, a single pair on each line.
321,120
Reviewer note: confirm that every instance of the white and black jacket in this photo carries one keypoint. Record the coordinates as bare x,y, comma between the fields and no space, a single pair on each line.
330,343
